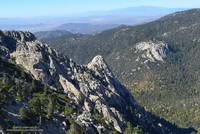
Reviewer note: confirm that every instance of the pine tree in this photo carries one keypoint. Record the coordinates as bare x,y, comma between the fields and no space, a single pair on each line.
133,130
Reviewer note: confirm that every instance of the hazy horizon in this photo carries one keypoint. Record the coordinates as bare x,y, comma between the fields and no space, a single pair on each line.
86,13
31,16
52,8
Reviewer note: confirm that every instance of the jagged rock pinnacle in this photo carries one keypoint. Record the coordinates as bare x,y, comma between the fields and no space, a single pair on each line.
94,82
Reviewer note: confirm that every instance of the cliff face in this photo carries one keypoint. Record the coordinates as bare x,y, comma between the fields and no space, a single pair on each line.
94,84
92,88
153,51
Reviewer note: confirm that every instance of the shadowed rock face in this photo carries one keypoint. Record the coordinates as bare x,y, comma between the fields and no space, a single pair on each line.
10,39
20,36
91,87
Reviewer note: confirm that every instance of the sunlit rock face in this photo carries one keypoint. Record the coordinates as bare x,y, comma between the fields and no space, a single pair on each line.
153,51
91,88
93,84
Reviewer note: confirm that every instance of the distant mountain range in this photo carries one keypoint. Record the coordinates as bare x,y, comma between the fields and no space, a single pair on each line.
107,19
75,28
141,11
158,61
85,28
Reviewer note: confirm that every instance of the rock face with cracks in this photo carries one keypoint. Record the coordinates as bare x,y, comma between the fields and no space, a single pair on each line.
92,88
153,51
93,84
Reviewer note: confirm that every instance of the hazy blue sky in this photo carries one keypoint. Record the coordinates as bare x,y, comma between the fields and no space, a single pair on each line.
32,8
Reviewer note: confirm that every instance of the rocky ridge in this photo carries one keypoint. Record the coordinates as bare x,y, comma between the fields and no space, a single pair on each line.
92,87
158,85
94,82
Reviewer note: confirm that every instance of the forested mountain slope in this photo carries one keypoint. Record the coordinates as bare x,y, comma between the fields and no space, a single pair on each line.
51,34
41,88
159,61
